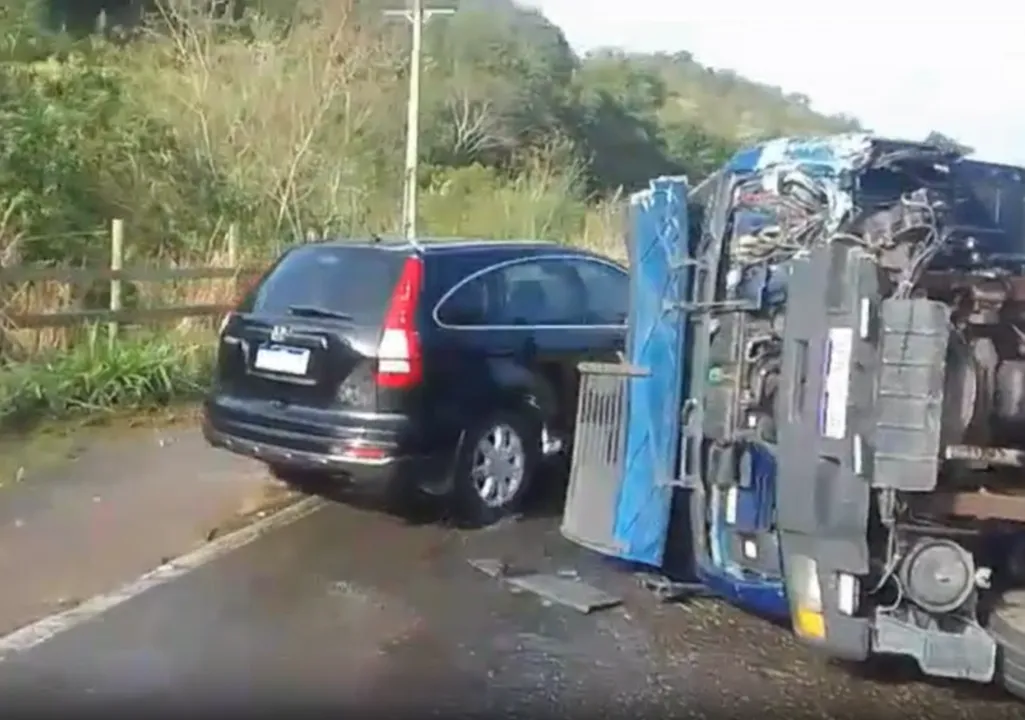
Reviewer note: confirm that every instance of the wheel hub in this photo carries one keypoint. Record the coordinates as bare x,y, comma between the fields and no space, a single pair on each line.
498,465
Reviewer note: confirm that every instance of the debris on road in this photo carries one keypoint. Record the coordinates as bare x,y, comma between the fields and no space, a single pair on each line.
489,566
571,593
564,587
667,590
504,523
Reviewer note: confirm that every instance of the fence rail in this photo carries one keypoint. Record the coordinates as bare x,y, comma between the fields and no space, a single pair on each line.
80,276
115,275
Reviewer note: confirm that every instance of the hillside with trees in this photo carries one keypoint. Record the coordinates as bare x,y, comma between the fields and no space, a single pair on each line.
282,117
287,112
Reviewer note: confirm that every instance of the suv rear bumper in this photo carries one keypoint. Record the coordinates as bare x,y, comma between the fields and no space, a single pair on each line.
377,459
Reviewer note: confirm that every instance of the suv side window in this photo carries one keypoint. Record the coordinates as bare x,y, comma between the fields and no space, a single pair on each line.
467,306
608,292
547,291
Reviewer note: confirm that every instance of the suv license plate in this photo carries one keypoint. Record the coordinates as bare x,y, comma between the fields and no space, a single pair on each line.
282,359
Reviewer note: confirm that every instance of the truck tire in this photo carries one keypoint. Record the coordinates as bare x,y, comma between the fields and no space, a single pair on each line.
1007,626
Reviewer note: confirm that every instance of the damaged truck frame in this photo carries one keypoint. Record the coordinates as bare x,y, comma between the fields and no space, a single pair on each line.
824,400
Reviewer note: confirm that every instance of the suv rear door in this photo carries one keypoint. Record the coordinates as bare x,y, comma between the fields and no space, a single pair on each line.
308,334
534,318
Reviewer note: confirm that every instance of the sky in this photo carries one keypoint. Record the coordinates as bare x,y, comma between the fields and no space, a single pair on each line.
902,67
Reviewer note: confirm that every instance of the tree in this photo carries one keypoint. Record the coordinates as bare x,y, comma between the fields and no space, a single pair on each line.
501,82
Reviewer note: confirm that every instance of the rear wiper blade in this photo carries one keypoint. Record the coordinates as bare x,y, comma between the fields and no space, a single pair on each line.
314,311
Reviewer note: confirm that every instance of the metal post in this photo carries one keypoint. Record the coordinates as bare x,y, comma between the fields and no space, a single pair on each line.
117,258
413,122
417,16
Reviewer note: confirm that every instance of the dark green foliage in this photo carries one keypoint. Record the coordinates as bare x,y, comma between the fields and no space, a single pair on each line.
502,80
287,115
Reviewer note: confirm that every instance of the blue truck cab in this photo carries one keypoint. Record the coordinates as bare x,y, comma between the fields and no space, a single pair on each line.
821,412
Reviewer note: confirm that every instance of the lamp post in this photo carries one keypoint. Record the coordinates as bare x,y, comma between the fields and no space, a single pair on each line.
417,16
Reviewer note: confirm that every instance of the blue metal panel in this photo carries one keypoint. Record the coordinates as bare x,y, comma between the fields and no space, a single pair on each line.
834,153
660,282
762,595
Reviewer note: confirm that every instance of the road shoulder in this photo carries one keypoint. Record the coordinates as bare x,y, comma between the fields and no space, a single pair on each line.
119,508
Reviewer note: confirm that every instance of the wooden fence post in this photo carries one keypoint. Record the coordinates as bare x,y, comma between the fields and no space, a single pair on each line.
233,257
233,245
117,257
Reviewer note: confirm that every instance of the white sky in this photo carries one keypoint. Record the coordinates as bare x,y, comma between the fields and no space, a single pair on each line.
902,67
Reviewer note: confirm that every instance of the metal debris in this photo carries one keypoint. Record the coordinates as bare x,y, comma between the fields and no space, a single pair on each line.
571,593
507,521
667,590
490,566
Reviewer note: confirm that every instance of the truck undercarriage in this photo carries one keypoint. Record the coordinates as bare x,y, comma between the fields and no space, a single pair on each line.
853,424
870,330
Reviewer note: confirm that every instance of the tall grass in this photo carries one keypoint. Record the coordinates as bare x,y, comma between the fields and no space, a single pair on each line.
192,127
97,376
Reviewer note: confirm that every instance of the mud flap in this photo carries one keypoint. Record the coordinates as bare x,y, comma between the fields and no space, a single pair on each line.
628,417
822,491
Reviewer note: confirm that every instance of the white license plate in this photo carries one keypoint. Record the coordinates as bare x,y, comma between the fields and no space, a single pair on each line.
282,359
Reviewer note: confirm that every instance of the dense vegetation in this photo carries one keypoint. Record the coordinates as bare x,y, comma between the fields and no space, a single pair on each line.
183,116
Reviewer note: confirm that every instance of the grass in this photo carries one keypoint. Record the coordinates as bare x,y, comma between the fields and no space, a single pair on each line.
186,131
76,371
138,373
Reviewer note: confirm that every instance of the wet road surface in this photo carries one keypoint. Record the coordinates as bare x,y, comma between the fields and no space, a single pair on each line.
356,610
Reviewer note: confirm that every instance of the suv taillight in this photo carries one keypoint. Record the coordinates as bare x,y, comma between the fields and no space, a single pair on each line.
399,362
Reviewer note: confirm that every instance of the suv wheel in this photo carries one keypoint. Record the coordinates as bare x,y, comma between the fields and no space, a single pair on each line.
496,465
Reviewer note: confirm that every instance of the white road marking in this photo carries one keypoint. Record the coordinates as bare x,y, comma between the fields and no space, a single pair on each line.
41,631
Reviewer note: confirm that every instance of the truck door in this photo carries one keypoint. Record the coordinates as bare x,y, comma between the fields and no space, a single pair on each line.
627,433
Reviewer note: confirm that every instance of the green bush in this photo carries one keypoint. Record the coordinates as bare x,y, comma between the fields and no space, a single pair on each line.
282,125
75,151
96,376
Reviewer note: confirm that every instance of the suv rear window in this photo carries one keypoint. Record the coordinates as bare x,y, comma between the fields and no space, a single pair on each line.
355,281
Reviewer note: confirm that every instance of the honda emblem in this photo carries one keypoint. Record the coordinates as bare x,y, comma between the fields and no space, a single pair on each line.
278,333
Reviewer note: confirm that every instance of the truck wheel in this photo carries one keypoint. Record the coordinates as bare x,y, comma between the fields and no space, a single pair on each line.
1007,626
496,464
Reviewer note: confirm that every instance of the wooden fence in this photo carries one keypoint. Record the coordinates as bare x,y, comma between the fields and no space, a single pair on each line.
116,274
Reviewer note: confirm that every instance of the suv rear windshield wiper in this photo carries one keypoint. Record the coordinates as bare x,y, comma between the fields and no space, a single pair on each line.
314,311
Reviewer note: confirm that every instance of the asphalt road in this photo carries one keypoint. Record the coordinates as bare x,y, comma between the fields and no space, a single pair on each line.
355,610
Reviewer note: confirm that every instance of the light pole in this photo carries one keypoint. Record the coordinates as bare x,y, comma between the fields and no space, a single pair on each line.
417,16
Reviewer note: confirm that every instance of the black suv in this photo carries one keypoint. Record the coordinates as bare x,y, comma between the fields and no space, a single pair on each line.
444,366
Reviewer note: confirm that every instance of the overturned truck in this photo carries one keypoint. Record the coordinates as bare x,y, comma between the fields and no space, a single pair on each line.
824,400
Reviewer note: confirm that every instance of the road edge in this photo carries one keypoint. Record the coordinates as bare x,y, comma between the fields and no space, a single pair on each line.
40,631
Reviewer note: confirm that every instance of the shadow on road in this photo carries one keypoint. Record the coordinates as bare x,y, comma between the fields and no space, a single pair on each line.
417,508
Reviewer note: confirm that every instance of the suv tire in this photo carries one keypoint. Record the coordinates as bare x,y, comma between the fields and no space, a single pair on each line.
496,465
